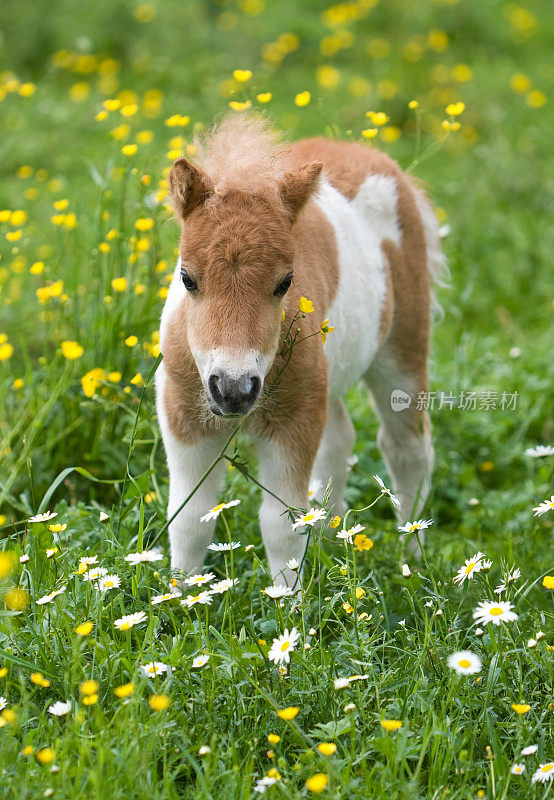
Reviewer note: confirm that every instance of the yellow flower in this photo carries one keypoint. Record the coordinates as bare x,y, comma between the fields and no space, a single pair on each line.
335,522
137,380
90,381
348,608
7,563
370,133
84,628
413,104
521,708
129,110
39,680
360,593
362,542
18,217
37,268
129,149
72,350
177,121
114,377
61,205
536,99
242,75
144,224
158,702
57,527
273,738
101,116
8,717
6,351
305,305
378,117
19,383
131,341
90,699
144,13
325,329
327,76
450,126
17,599
327,748
302,99
28,750
455,109
520,83
548,581
144,137
391,134
288,713
317,783
13,236
46,755
391,724
79,92
119,284
264,97
53,290
89,687
3,672
237,106
125,690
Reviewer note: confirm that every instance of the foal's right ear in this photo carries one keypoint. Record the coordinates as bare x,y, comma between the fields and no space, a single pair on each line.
189,187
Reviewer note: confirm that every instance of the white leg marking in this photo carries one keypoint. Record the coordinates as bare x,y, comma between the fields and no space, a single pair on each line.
336,445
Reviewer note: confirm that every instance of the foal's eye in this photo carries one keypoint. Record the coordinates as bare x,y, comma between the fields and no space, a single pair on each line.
189,283
284,286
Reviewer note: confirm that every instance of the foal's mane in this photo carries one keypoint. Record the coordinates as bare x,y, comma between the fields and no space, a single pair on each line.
242,153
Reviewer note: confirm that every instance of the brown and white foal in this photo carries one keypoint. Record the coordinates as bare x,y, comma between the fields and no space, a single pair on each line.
262,225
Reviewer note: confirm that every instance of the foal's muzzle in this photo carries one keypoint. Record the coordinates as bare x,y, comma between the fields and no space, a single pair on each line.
231,395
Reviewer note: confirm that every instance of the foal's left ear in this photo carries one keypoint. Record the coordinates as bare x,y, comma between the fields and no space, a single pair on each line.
298,185
189,187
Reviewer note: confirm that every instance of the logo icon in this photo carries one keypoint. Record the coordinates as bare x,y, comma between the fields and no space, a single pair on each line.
400,400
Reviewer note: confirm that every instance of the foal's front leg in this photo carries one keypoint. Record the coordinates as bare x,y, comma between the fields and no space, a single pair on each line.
188,536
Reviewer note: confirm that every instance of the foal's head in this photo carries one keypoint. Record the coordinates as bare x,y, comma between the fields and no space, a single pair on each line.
236,255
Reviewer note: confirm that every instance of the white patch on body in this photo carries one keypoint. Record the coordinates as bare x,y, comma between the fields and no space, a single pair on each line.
360,226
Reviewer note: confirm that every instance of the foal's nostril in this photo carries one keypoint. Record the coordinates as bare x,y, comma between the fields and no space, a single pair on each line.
234,395
213,386
255,388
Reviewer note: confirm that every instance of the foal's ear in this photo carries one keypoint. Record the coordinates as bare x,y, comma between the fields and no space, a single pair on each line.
189,187
298,185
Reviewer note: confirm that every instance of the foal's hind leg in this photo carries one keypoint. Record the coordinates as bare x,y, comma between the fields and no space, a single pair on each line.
405,435
331,460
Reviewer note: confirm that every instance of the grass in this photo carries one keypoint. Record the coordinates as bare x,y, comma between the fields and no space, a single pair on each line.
79,449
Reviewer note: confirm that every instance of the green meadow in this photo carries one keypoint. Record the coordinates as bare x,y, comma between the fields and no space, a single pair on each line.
110,684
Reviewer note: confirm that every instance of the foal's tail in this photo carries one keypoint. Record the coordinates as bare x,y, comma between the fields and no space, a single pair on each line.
436,260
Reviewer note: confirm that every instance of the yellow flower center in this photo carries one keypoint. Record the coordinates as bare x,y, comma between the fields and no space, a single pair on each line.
496,611
308,517
218,508
285,646
547,767
464,663
469,567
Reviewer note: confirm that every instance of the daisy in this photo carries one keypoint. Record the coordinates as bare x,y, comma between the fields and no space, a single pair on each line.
49,597
154,668
510,578
24,558
310,518
43,517
465,663
293,564
95,574
130,620
314,489
530,750
223,547
51,551
540,451
406,571
199,580
3,703
277,591
283,646
214,513
471,566
104,516
59,709
263,783
204,599
393,498
417,525
199,661
542,508
498,612
162,598
204,750
347,535
88,561
109,582
341,683
145,556
544,773
517,769
223,586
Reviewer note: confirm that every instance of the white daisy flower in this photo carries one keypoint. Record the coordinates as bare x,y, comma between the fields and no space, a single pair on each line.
465,663
214,513
130,620
88,561
532,643
293,564
510,578
204,750
393,498
277,591
199,580
223,547
104,516
283,646
540,635
109,582
544,773
3,703
406,571
199,661
348,535
310,518
341,683
495,612
486,565
542,508
24,558
44,517
203,599
146,556
517,769
416,525
314,489
471,566
540,451
60,709
49,597
479,631
154,668
95,574
162,598
51,551
530,750
263,783
223,586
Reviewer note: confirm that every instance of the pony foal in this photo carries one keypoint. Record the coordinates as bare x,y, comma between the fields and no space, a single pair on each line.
264,224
